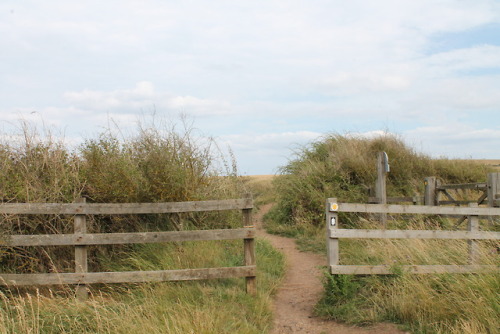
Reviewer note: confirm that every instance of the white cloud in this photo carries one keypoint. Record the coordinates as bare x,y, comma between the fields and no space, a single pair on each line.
350,83
144,97
269,141
291,69
456,140
263,153
463,60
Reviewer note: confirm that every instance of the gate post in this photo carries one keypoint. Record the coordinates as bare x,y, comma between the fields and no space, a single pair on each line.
380,186
332,222
493,189
81,263
473,226
430,192
249,249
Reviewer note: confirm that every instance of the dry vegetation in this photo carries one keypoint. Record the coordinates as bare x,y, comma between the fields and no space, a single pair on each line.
169,165
344,167
157,164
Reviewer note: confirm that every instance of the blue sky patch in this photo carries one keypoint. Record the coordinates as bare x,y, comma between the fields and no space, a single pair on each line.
488,34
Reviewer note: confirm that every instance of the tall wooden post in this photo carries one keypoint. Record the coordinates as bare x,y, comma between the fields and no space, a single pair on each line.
249,249
430,191
81,264
473,225
380,186
493,189
332,222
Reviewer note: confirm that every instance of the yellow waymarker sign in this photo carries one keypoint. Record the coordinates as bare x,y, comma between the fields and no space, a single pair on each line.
334,207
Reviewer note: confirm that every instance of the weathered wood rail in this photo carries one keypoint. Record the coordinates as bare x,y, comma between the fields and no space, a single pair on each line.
433,190
473,212
81,240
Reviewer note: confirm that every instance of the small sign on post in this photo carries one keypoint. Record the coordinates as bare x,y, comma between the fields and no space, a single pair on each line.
332,244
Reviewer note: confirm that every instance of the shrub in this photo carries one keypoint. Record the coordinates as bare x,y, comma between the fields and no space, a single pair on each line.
154,165
345,167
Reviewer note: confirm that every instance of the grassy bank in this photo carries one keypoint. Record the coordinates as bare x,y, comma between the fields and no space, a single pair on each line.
445,303
216,306
155,164
344,167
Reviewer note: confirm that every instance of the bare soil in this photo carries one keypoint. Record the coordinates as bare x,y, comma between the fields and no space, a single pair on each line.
301,290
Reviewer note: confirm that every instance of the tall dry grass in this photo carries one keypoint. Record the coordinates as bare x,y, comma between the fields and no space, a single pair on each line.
216,306
432,303
344,167
154,164
166,164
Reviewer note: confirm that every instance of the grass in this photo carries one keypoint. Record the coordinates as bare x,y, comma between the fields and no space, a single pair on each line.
261,188
423,303
216,306
344,167
170,165
164,164
156,164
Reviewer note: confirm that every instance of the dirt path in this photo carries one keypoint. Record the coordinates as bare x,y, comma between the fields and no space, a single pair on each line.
301,289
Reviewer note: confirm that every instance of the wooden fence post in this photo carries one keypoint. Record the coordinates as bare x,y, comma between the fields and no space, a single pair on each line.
430,193
493,189
332,222
81,263
472,226
249,249
381,185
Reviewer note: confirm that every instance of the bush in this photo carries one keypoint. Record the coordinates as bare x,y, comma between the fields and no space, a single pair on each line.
155,165
345,167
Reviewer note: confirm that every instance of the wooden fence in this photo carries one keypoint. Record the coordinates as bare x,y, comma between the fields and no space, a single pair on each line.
473,212
434,190
490,191
80,239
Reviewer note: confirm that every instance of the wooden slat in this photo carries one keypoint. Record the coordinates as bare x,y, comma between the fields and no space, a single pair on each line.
124,208
483,197
414,234
413,269
401,199
127,277
478,186
456,202
376,200
126,238
447,194
417,209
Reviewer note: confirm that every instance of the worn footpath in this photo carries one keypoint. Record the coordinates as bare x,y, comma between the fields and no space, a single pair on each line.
301,290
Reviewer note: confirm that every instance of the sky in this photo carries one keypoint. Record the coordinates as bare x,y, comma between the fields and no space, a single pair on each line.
264,78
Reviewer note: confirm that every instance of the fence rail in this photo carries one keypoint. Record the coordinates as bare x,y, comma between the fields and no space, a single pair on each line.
127,276
418,209
81,240
413,234
473,212
125,238
420,269
123,208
